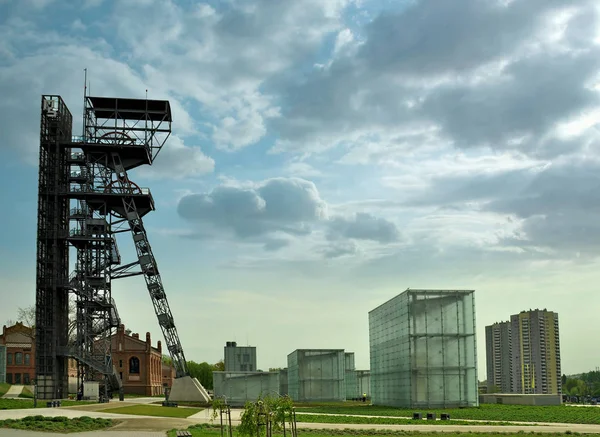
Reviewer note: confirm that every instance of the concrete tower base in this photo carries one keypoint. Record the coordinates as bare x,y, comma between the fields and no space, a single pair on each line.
188,389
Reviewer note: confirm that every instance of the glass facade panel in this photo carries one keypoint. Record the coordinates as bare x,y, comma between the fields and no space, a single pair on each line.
317,375
363,379
351,380
423,350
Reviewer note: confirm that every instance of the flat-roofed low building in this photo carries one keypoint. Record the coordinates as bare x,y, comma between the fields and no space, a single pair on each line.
237,388
317,375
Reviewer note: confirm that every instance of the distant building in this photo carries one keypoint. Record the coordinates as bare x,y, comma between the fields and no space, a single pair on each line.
498,357
138,363
2,364
423,350
535,352
239,358
168,375
20,353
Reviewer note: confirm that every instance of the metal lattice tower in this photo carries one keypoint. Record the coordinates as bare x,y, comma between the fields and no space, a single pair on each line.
52,269
119,135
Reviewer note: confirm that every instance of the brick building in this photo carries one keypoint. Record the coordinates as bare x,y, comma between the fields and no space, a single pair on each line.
20,349
139,364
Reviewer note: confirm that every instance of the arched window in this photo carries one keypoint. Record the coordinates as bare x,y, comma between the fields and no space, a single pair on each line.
134,365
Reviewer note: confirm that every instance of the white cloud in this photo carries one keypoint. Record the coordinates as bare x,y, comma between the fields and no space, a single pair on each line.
177,161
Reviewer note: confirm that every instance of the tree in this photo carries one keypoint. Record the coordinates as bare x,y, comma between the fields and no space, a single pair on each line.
563,379
26,315
493,389
202,372
219,366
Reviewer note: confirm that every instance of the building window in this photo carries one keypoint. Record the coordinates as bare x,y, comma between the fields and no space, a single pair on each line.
18,359
134,365
9,378
25,378
9,360
120,363
27,359
17,378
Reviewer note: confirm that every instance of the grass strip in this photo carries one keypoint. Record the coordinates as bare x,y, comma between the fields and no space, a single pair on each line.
22,403
149,410
485,412
313,418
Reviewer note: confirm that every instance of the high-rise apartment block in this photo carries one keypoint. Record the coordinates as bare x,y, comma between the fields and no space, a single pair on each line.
523,355
535,352
498,357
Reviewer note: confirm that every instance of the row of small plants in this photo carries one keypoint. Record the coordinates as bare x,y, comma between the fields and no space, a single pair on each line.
485,412
57,424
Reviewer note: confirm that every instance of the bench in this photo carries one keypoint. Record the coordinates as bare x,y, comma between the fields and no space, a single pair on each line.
183,434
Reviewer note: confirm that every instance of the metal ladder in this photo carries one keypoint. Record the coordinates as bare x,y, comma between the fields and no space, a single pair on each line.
149,269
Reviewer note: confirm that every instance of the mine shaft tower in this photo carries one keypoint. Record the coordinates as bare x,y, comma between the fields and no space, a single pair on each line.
85,198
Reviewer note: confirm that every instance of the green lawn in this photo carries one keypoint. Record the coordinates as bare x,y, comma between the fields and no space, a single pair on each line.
15,404
148,410
213,431
486,412
312,418
61,425
3,388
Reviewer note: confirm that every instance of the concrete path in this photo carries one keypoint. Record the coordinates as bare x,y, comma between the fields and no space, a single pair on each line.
148,400
13,392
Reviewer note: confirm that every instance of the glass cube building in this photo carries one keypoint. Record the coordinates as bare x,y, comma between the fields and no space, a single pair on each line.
283,382
239,387
316,375
423,350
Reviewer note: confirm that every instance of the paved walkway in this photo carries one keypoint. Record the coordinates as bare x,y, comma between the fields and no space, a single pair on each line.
13,392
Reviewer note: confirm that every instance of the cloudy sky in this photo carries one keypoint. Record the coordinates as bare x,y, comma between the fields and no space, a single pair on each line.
327,155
